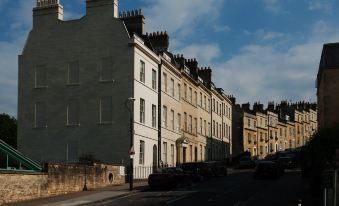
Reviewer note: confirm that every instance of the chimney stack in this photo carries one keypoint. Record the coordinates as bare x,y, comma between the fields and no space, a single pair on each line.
246,107
134,21
180,59
47,11
192,64
258,107
159,41
206,74
102,8
270,106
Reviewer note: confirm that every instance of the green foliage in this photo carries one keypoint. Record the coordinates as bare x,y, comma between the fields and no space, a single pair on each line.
319,154
8,129
322,148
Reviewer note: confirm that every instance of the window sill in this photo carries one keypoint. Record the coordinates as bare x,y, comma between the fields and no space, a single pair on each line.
41,87
106,123
72,84
73,125
40,127
107,81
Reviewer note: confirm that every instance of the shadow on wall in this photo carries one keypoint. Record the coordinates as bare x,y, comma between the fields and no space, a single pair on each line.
58,179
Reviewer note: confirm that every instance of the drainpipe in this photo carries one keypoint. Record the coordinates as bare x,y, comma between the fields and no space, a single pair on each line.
159,113
211,102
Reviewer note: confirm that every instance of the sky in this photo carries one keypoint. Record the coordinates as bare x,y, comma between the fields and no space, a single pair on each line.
259,50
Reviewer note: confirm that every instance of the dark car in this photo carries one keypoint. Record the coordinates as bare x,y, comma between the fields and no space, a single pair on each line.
169,178
246,163
198,170
286,162
267,170
218,168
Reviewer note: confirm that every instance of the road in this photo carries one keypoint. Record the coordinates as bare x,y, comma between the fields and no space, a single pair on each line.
237,189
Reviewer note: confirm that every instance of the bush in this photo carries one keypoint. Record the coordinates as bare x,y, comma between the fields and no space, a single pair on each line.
319,154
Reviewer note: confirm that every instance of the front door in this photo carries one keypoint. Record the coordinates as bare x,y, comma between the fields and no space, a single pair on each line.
184,154
155,157
195,154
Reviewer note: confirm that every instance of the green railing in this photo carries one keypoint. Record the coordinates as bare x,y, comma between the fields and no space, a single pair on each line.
16,161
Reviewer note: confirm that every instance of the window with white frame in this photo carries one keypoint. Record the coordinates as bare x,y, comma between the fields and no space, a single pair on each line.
172,120
190,95
191,153
200,125
154,79
185,122
179,123
106,69
73,112
142,153
172,154
142,71
195,129
40,76
190,124
40,115
154,116
172,87
164,152
142,110
106,109
195,98
164,116
164,80
179,91
200,102
73,72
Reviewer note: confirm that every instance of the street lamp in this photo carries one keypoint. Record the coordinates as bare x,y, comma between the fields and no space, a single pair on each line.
131,152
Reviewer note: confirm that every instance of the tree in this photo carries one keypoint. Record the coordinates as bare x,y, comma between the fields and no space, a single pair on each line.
8,129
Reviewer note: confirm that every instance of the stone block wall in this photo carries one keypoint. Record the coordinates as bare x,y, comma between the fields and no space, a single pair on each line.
18,187
60,179
71,178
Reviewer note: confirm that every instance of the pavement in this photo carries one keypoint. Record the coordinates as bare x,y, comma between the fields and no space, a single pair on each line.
86,197
237,189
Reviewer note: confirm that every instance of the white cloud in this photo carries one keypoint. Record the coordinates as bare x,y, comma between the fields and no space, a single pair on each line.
264,35
221,28
267,72
205,53
178,16
273,6
322,5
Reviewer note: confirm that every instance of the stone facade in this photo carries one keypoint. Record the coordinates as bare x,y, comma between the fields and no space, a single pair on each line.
81,80
60,179
278,128
328,87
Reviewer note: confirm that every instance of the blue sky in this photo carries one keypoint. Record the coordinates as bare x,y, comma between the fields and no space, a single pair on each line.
259,50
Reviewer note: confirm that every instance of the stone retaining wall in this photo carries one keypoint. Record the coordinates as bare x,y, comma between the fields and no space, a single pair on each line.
60,179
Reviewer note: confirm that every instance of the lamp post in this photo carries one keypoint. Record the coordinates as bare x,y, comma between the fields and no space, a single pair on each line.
131,152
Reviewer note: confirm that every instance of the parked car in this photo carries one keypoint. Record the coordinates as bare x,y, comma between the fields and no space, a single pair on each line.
286,162
198,170
246,163
218,168
267,170
169,178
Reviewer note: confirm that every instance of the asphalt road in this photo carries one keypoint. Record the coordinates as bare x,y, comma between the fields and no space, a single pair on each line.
237,189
